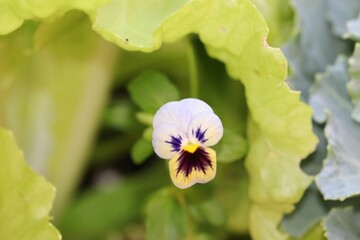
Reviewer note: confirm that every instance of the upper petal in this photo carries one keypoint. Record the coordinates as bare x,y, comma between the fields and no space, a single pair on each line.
206,128
195,106
173,113
167,140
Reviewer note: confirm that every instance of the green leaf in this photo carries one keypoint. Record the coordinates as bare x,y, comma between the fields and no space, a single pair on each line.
152,89
145,118
315,233
112,207
342,223
235,33
232,147
165,218
51,97
147,134
330,101
307,214
141,150
14,13
353,86
315,47
279,15
25,197
120,115
339,14
122,22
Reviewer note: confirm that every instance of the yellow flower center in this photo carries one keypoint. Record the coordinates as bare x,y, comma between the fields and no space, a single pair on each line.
191,148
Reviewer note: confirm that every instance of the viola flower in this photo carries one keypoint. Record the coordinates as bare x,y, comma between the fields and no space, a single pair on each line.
183,132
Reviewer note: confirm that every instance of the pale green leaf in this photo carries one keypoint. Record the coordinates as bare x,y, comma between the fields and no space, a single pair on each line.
279,15
25,197
141,150
165,218
234,33
14,12
339,14
145,118
315,47
51,97
353,29
152,89
341,224
353,86
147,134
315,233
330,102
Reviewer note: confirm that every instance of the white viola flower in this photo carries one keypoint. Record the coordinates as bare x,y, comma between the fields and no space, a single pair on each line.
183,132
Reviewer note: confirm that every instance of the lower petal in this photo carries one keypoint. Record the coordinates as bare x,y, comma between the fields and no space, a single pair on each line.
186,168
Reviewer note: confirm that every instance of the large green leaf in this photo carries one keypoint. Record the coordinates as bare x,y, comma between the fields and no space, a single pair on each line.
342,223
234,33
14,12
330,102
25,197
51,95
353,86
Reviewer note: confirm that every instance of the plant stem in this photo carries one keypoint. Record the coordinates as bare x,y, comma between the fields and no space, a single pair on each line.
194,80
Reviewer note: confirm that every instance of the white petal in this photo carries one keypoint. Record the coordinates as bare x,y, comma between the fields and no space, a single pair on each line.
167,140
195,106
206,128
173,113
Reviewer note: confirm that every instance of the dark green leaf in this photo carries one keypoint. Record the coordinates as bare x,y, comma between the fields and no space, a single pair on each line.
152,89
165,219
232,147
141,150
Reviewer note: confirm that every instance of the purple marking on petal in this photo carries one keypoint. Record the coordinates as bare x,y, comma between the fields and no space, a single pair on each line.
175,143
199,134
199,160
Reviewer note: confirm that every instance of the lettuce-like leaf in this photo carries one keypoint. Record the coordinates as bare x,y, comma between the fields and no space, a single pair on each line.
339,14
353,86
342,223
25,197
13,13
279,15
353,29
315,47
234,33
330,102
51,97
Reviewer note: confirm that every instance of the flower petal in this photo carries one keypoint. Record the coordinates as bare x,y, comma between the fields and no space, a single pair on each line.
167,140
206,128
186,168
195,106
173,113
